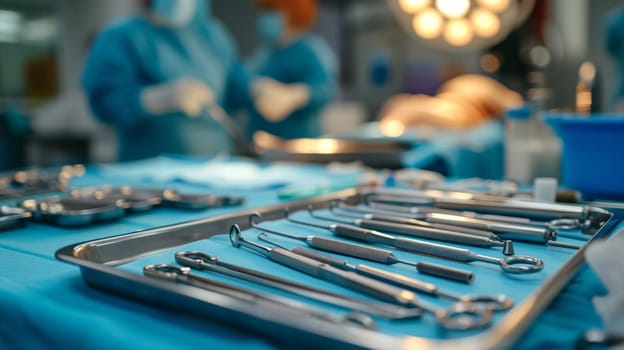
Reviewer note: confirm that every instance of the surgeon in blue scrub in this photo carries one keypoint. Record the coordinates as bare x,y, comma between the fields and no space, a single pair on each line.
154,77
615,47
294,71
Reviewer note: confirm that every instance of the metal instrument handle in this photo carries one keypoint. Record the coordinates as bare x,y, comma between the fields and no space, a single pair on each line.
351,249
335,262
447,272
433,249
345,279
428,233
361,234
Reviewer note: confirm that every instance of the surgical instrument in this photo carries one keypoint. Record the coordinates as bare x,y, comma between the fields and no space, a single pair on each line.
559,226
325,272
371,254
183,275
399,218
11,217
592,218
460,316
204,262
423,232
516,264
517,232
496,303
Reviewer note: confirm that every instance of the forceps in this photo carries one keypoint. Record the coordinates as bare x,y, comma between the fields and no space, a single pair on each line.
496,303
592,218
460,316
183,275
370,253
517,264
549,228
204,262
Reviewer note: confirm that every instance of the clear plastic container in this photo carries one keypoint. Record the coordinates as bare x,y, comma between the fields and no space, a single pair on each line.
531,149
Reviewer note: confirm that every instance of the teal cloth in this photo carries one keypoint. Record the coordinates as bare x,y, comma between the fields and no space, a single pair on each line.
132,54
307,60
45,304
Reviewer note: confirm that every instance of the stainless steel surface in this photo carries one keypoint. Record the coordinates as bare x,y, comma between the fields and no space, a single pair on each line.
68,211
172,198
12,217
374,153
98,259
135,199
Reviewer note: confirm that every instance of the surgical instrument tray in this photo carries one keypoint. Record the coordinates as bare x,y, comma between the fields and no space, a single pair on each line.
115,264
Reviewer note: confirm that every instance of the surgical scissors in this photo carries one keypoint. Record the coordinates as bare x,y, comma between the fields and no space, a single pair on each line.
204,262
460,316
369,253
496,303
517,264
183,275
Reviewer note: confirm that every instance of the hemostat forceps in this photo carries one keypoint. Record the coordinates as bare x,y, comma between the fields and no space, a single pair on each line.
517,264
371,254
183,275
204,262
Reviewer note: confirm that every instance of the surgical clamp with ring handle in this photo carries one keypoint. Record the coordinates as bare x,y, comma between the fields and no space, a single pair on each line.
462,315
591,218
369,253
436,234
495,303
416,215
458,317
183,275
517,264
522,233
204,262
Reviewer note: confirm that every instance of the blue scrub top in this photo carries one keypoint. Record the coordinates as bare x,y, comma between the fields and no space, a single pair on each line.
307,60
133,54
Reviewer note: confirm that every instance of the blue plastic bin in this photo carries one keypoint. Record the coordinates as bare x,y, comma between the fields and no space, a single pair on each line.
593,153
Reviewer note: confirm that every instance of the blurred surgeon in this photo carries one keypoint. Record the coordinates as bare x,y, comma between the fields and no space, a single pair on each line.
615,47
295,70
154,77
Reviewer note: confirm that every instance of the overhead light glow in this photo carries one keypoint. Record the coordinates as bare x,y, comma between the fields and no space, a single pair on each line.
458,32
413,6
428,24
453,8
495,5
485,23
392,128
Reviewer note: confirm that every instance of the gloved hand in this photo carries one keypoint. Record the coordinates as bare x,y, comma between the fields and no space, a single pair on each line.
275,100
186,95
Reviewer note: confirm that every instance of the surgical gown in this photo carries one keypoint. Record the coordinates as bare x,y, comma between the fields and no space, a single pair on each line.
133,54
307,60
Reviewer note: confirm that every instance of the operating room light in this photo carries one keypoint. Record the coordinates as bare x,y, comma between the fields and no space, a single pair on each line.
485,23
428,24
413,6
453,8
461,25
495,5
458,32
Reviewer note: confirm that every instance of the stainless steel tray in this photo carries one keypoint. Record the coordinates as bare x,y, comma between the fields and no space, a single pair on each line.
100,262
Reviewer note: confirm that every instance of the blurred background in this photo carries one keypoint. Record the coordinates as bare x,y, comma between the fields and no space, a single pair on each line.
45,119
